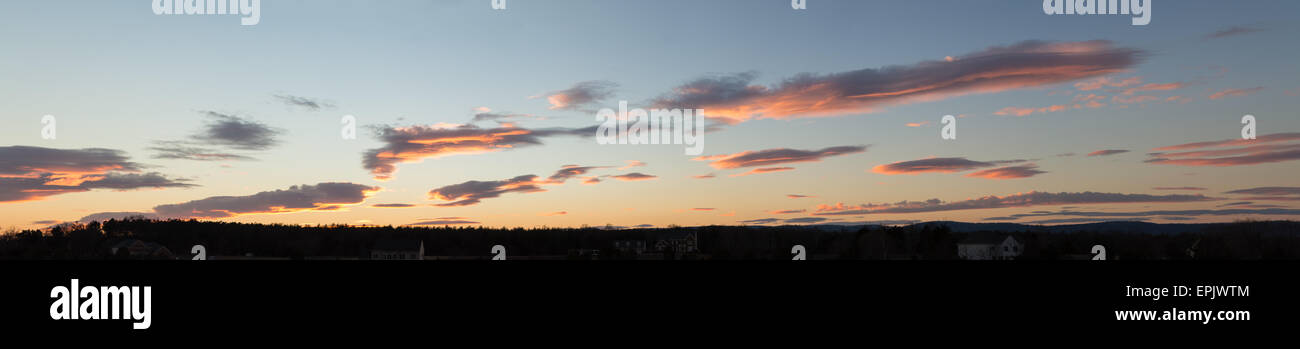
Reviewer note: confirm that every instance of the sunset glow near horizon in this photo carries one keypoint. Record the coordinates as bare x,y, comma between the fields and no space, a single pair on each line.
470,116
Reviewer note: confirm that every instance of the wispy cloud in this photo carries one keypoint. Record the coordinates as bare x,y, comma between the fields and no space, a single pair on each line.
1230,31
1107,152
319,197
303,102
1033,198
1009,172
582,95
1103,82
182,150
762,170
735,98
473,192
445,221
1019,111
775,156
941,165
1129,215
634,176
415,143
805,220
1267,191
393,205
571,171
1264,149
631,164
220,131
1236,92
1178,188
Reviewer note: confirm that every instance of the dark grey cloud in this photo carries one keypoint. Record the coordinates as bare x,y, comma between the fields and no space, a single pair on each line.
220,132
26,160
1231,31
1086,220
1264,149
129,181
1009,172
415,143
761,221
1033,198
803,220
570,171
473,192
1178,188
320,197
735,98
1276,191
943,165
393,205
304,102
499,117
33,173
769,157
237,133
1107,152
1132,215
634,176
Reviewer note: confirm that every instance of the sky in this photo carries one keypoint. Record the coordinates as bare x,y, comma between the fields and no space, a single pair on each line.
468,116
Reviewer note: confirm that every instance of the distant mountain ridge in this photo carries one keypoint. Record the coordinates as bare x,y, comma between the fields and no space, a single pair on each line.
1115,226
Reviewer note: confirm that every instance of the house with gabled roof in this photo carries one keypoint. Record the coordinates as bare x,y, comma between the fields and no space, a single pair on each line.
989,246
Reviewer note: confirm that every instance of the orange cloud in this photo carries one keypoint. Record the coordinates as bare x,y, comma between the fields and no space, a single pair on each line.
1101,82
763,170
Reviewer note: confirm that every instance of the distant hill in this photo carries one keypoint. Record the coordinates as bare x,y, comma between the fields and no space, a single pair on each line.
1119,226
1116,226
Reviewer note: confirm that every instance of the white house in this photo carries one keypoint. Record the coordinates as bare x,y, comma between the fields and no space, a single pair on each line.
630,247
388,249
989,247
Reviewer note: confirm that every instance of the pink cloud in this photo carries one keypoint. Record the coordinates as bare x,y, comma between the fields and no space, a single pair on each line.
735,98
1236,92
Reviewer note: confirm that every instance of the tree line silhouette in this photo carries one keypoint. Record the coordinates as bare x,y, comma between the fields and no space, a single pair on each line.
1245,240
